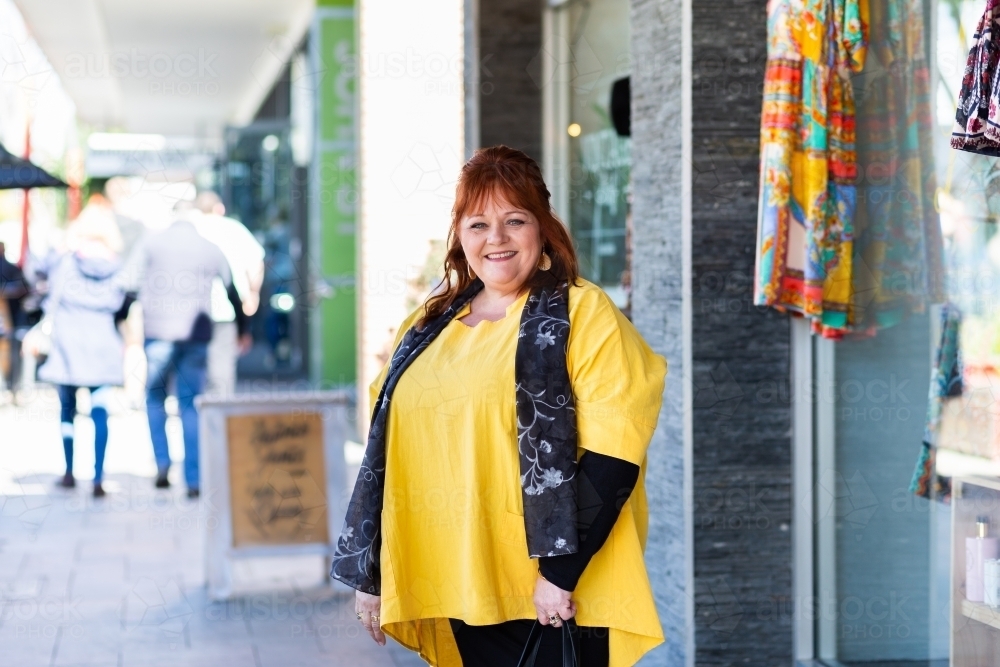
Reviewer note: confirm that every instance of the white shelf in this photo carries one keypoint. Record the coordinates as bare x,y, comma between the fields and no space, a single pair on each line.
978,611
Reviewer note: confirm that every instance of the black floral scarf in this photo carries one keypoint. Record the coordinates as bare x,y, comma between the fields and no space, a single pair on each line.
546,438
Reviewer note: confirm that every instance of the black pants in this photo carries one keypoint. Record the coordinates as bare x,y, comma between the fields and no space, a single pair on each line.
501,645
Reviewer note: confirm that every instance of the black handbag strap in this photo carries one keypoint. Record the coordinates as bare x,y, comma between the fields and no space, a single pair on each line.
530,652
569,649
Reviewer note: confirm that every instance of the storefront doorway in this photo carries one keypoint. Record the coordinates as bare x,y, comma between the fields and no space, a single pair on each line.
263,188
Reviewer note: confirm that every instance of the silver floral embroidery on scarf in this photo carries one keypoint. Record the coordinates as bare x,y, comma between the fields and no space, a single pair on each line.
546,424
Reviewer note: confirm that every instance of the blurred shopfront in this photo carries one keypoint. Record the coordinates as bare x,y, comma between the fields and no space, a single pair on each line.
263,187
288,176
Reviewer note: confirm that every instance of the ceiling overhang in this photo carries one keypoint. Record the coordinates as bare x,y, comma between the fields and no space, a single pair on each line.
184,68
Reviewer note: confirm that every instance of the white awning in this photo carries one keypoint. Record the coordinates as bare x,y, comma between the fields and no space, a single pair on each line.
179,68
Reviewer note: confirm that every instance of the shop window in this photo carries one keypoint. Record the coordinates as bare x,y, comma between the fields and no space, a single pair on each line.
890,564
587,155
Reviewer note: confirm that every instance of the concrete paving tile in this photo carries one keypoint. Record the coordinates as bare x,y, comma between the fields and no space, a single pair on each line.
80,612
202,631
402,656
88,643
294,632
14,656
222,655
27,644
306,653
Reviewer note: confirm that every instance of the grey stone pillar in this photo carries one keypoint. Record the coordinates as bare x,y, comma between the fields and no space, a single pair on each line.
658,304
510,100
719,552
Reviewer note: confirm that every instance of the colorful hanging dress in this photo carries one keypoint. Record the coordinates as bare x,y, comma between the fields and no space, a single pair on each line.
808,163
946,382
977,119
898,263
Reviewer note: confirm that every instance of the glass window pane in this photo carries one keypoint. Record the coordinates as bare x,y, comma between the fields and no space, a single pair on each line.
597,176
917,373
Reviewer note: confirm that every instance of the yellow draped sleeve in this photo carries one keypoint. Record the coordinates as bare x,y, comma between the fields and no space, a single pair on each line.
617,379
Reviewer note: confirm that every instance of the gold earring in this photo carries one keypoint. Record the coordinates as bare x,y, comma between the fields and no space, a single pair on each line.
472,274
544,262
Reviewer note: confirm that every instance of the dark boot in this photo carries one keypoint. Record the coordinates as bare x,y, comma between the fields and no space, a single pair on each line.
193,493
98,490
67,482
161,480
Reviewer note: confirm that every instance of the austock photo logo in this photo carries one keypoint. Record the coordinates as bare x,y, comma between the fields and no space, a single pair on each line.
847,499
718,392
158,606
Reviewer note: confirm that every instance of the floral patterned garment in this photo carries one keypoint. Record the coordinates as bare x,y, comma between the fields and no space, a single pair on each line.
946,382
977,119
898,263
546,434
546,424
808,164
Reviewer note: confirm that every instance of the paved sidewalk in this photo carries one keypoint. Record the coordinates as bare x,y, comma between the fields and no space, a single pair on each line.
119,581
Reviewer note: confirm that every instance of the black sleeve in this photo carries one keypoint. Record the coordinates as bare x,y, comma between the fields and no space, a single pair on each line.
241,318
123,311
604,483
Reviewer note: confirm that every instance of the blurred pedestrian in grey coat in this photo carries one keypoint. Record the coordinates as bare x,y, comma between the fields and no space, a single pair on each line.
86,299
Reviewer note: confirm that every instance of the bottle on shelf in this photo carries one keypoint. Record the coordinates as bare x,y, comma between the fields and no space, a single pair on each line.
978,550
991,579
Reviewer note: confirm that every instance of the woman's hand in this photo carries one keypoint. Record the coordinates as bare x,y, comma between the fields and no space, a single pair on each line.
552,602
369,608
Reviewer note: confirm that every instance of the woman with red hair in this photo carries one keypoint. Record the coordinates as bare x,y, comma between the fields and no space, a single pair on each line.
501,492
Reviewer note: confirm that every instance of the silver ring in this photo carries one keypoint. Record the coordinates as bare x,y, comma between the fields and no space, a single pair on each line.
554,618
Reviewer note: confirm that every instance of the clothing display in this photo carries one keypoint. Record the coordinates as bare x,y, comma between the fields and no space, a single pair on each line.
808,163
977,119
847,231
898,265
946,382
453,531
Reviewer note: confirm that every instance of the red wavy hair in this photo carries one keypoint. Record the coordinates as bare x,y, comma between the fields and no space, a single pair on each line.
501,172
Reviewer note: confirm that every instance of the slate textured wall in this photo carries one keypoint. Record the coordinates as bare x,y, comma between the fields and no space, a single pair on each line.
510,99
657,298
741,357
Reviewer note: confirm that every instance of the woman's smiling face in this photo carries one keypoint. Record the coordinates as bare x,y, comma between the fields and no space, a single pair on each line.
502,243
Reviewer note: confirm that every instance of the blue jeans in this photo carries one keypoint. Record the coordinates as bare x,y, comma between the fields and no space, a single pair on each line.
185,363
99,415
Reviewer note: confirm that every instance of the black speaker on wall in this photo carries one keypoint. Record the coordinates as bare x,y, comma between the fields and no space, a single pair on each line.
621,107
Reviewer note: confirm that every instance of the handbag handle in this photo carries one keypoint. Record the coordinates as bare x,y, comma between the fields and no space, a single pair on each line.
530,652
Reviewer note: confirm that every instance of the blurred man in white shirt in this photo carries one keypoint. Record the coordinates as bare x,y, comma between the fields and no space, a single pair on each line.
246,262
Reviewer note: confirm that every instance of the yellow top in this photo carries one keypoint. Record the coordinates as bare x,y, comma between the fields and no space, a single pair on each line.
453,527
